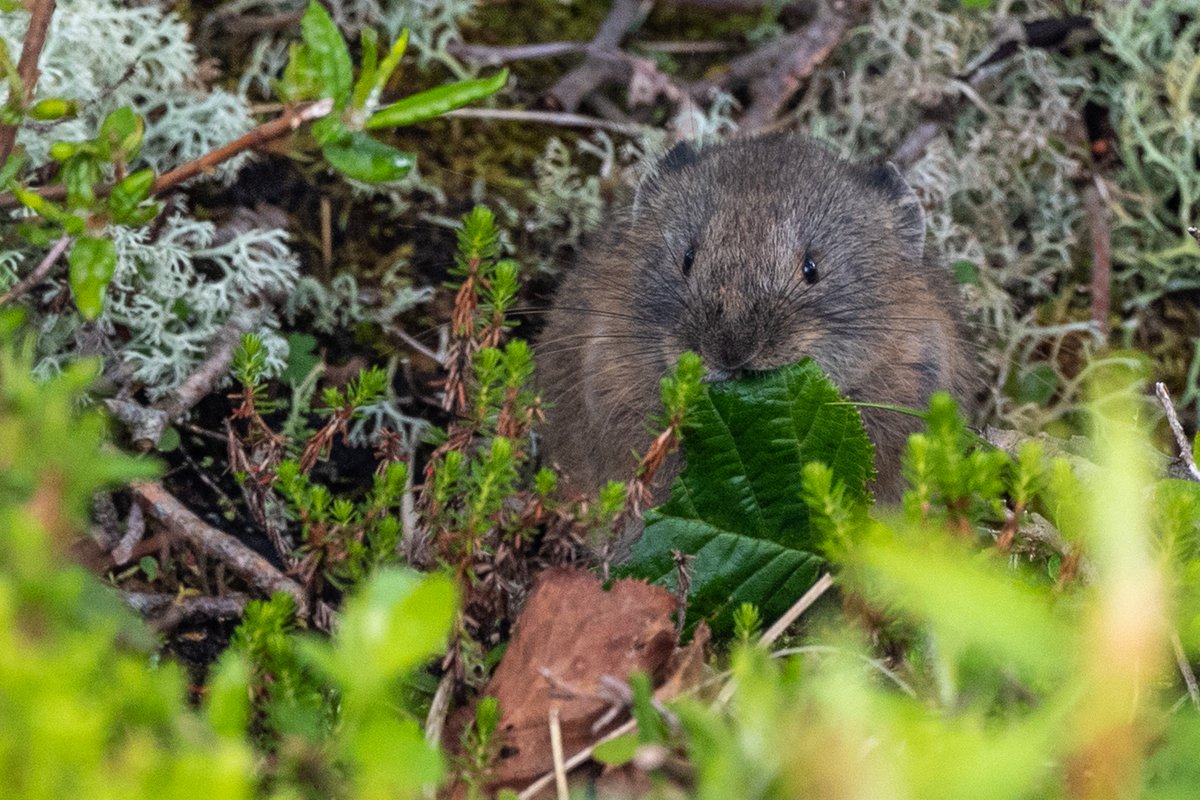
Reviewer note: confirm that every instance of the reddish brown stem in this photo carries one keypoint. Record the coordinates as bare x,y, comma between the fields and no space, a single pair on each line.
27,67
1101,235
289,121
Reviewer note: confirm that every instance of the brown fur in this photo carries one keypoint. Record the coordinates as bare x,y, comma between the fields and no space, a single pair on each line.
881,319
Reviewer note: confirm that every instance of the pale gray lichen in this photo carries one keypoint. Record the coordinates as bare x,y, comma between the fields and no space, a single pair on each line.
172,293
105,55
564,201
173,289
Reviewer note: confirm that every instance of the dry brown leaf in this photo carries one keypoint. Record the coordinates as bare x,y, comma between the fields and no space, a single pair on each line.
570,634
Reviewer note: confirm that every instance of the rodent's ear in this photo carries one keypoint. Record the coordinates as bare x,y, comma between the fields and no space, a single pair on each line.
678,157
910,216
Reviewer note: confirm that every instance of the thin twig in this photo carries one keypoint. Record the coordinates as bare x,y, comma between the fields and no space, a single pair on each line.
775,631
291,120
326,212
1101,234
556,751
166,611
161,506
27,67
562,119
533,789
39,272
1185,669
216,363
799,607
487,56
439,708
1185,447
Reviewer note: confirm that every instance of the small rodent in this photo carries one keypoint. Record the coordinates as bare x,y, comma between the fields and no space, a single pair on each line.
754,254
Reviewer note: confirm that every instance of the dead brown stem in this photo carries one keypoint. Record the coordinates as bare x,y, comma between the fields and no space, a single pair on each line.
167,611
560,118
39,272
1185,447
489,56
1096,208
180,523
27,67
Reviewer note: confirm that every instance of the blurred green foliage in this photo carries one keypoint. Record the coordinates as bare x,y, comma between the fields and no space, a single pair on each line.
90,711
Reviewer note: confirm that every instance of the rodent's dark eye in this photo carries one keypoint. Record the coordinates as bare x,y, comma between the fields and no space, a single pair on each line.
809,270
688,258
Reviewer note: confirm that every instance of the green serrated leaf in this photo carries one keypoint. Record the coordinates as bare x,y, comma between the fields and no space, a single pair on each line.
365,159
91,265
435,102
737,505
328,55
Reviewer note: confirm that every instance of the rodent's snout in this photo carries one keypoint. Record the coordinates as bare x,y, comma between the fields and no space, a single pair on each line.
729,358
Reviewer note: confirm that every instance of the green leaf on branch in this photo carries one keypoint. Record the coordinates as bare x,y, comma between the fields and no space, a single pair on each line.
435,102
368,68
121,134
365,159
91,265
327,55
53,108
390,62
737,505
128,194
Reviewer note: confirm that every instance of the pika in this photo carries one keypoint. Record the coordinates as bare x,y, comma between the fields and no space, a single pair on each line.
754,254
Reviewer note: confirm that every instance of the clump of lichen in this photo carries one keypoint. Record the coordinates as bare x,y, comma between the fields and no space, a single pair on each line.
174,285
1002,185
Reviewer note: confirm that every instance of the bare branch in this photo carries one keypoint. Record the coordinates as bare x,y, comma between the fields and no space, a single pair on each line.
39,272
180,523
1185,447
807,48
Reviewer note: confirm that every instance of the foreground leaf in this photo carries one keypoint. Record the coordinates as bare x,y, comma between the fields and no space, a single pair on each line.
737,506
